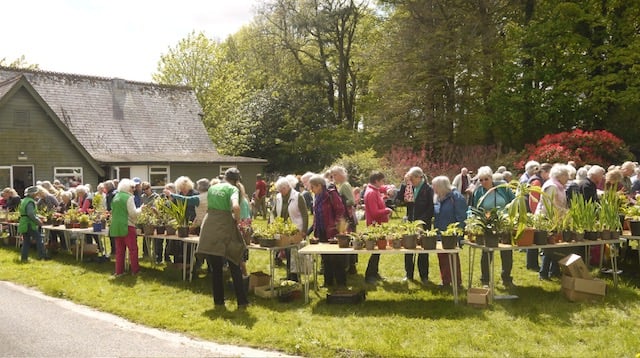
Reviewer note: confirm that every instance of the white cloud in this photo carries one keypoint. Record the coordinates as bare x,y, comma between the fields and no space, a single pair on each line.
111,38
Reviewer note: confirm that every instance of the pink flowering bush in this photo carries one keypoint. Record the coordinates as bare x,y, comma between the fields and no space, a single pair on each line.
584,147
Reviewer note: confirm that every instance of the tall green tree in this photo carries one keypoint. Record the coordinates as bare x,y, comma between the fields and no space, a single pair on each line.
20,62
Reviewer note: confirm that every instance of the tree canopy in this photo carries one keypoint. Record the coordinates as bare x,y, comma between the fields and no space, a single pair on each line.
309,81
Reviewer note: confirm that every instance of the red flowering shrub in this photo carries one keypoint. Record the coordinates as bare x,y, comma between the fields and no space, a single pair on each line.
596,147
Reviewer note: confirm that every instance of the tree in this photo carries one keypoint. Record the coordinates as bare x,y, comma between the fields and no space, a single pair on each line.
20,62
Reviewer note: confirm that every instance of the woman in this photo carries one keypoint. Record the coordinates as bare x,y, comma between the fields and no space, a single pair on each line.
184,190
554,188
341,180
495,198
220,238
422,209
12,199
123,226
289,204
327,211
450,207
29,224
375,212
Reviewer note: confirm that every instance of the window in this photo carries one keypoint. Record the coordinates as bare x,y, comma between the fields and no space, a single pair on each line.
68,176
158,176
224,168
21,118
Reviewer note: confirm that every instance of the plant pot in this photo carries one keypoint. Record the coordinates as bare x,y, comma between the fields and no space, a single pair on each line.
160,229
344,241
449,242
491,240
357,244
171,230
370,245
97,227
480,240
410,241
396,244
540,237
567,236
591,235
526,239
265,242
382,244
554,238
605,234
429,242
578,236
183,231
615,235
148,229
634,227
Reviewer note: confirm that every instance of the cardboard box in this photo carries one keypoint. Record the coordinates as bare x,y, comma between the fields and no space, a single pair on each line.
265,291
574,266
478,297
347,296
258,278
578,289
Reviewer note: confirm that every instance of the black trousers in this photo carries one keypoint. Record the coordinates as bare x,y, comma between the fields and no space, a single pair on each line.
334,269
423,266
217,279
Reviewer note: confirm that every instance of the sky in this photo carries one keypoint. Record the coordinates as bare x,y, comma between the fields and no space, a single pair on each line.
111,38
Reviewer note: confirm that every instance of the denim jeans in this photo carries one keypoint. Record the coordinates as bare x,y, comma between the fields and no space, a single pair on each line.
26,244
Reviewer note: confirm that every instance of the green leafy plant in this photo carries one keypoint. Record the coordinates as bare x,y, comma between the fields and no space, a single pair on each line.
609,213
453,229
177,210
584,214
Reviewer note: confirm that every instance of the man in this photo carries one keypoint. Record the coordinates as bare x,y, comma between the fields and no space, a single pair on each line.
461,182
628,170
589,187
260,197
137,192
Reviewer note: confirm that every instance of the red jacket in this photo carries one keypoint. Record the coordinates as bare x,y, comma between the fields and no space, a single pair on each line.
374,208
332,210
261,188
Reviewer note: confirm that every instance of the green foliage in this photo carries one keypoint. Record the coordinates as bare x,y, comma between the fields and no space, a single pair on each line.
360,164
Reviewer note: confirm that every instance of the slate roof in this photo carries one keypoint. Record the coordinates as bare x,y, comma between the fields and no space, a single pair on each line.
119,121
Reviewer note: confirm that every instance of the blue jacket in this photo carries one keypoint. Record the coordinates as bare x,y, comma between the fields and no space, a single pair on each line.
452,208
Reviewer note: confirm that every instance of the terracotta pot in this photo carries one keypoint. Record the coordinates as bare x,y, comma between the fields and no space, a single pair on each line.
526,239
382,244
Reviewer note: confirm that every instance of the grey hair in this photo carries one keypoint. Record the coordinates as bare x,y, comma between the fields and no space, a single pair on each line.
317,179
126,185
415,172
595,170
203,185
531,166
282,182
559,170
293,181
306,176
581,174
339,169
485,171
441,183
183,182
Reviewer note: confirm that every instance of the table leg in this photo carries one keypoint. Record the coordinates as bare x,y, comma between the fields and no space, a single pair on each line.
491,258
272,269
184,264
454,278
193,260
472,257
614,265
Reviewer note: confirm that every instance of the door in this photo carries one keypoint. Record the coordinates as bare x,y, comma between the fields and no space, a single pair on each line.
22,177
5,177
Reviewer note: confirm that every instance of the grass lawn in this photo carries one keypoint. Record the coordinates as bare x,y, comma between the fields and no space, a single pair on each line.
397,319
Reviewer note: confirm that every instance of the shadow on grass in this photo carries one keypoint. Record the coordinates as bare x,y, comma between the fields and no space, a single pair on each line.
237,317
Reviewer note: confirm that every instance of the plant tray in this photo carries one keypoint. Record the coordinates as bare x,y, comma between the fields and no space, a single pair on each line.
346,296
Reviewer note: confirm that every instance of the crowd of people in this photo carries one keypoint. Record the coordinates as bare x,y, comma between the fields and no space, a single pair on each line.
221,212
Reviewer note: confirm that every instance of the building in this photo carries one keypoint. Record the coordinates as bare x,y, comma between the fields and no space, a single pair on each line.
83,129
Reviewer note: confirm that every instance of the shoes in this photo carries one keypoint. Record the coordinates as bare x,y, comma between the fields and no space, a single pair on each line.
406,279
45,258
379,278
544,278
425,281
371,280
510,285
115,276
536,269
243,307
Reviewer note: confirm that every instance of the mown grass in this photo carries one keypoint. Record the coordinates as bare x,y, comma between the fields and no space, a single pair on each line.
397,319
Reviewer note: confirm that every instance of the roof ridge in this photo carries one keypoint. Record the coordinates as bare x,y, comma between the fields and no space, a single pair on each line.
89,77
10,80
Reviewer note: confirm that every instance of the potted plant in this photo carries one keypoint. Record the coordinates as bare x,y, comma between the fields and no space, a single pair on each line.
370,236
489,222
358,240
410,231
344,239
609,214
451,235
632,216
178,211
83,221
429,239
147,220
543,227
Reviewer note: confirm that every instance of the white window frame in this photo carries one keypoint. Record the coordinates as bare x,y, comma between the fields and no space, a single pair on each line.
73,173
159,169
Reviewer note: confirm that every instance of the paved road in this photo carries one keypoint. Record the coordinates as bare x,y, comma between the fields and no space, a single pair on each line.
35,325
